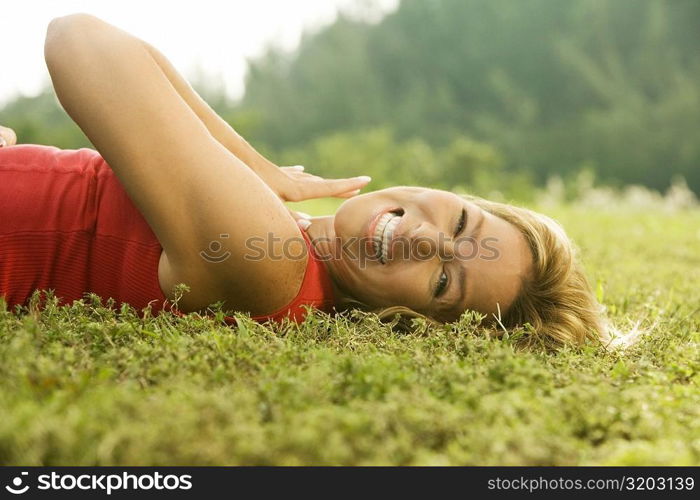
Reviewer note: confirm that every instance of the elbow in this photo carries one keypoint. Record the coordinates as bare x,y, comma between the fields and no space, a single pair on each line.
69,22
60,32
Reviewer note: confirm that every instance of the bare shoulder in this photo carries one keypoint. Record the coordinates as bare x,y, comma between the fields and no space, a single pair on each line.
280,271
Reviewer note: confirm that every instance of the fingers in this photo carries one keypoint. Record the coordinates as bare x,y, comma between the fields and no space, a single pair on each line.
336,188
307,186
7,137
344,188
303,219
349,194
293,168
298,215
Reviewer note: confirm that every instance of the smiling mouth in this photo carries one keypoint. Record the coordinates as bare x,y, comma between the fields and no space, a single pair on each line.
383,233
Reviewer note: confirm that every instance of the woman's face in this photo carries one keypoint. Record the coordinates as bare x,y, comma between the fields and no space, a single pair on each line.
430,250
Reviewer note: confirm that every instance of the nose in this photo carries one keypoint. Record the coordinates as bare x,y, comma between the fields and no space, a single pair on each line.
427,241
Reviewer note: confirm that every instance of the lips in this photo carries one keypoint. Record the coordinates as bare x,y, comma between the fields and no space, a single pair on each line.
381,231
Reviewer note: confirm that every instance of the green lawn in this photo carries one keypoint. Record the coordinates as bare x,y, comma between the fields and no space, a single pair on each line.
82,385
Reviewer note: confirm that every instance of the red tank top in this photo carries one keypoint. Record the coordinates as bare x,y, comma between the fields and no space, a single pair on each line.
67,224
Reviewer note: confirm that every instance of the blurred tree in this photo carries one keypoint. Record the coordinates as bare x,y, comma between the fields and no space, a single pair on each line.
323,86
553,85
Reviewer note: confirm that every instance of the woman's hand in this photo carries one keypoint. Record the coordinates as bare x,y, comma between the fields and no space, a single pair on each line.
293,184
7,137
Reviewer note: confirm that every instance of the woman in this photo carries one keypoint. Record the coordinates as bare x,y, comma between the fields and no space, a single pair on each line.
175,195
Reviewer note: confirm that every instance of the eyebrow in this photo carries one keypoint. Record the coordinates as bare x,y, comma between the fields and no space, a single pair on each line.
476,232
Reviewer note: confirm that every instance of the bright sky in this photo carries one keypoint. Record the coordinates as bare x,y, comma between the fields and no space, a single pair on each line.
211,36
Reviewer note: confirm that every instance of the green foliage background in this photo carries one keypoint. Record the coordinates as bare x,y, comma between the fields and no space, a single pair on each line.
487,95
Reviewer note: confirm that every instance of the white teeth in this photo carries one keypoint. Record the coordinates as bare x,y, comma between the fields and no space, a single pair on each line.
383,233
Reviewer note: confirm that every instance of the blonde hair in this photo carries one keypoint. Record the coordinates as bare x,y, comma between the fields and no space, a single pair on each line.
556,301
556,305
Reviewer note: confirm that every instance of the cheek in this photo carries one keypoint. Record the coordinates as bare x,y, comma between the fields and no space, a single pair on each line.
352,213
344,214
405,287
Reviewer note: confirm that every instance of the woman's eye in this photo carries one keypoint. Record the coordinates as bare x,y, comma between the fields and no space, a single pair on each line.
441,284
460,224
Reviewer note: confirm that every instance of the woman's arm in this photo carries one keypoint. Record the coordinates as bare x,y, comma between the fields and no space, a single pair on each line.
189,187
219,128
286,184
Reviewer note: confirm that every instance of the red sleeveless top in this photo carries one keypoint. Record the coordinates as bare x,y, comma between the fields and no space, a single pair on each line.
67,224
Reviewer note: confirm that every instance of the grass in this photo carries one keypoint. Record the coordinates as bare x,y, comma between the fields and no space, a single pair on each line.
85,385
